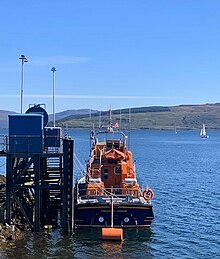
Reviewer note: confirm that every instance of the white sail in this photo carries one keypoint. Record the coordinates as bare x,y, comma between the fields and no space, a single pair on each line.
203,133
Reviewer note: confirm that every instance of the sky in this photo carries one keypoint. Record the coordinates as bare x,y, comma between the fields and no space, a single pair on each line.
118,53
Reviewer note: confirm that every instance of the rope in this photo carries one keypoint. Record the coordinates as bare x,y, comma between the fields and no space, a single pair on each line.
79,165
3,165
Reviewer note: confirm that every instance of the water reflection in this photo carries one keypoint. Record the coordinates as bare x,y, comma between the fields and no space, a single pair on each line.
85,243
112,249
136,244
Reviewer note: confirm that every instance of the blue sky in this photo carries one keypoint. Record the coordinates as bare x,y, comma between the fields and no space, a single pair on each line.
123,53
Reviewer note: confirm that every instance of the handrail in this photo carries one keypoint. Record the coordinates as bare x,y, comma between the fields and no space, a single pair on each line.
3,143
109,192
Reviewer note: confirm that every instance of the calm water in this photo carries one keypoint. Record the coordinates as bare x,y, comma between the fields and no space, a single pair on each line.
184,172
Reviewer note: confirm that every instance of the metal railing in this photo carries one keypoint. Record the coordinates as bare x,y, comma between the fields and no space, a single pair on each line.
109,192
28,144
3,143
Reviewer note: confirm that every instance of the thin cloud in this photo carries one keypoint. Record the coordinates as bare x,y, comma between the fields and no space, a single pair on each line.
88,96
57,60
9,95
106,97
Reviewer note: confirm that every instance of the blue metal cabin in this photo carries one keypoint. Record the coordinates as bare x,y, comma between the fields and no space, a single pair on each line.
26,133
52,136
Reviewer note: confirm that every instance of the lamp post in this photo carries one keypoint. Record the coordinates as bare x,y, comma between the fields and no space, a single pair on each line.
23,60
53,69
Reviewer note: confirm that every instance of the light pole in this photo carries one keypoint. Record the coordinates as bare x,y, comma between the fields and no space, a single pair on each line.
53,69
23,60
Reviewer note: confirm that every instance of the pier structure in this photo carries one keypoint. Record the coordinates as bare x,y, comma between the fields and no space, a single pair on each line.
39,172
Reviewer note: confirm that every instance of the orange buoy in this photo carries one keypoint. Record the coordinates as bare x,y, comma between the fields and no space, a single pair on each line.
112,234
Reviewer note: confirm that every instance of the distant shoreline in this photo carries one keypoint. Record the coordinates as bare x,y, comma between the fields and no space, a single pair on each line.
181,117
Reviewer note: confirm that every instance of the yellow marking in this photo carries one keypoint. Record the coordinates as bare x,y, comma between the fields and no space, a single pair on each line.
119,208
114,210
137,208
85,208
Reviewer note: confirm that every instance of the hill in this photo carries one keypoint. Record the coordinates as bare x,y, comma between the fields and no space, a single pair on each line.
59,115
68,113
4,118
155,117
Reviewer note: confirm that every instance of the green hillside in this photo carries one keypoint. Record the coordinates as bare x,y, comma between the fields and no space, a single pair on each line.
155,117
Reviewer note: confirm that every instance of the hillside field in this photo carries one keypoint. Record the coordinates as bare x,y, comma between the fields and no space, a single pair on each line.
155,117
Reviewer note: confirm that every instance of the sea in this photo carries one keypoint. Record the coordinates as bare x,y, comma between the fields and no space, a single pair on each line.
184,172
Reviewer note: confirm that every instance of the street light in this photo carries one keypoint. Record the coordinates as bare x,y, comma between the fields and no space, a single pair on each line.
53,69
23,60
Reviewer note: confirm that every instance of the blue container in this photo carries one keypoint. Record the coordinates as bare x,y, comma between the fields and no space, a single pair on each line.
52,136
26,133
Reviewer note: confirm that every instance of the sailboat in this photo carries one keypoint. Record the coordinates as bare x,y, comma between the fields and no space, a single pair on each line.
203,133
175,130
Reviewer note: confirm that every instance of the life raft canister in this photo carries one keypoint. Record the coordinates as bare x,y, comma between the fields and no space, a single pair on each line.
148,194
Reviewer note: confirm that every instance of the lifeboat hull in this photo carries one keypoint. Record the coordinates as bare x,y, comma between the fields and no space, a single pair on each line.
125,215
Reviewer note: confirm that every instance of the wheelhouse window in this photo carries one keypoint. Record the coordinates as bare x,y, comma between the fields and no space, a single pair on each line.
105,174
117,169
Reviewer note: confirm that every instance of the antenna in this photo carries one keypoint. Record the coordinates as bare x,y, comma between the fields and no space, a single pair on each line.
129,117
110,117
90,119
129,121
100,118
53,69
120,119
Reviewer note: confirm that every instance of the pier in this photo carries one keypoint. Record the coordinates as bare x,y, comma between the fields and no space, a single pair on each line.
39,173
